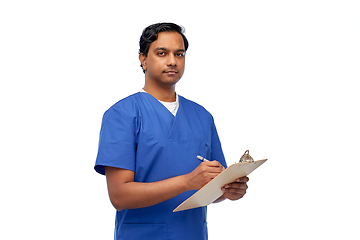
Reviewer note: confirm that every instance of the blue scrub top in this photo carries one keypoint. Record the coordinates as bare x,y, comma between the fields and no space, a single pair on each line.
139,134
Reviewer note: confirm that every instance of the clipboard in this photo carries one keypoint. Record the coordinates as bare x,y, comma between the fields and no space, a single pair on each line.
212,190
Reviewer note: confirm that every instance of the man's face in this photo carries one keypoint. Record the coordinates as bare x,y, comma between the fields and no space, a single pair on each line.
165,62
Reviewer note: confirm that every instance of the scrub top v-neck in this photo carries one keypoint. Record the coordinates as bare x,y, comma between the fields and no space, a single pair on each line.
140,134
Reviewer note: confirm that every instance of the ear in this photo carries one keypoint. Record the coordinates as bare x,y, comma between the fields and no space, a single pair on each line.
142,59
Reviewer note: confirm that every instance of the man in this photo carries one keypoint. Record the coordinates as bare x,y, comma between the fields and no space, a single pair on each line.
148,146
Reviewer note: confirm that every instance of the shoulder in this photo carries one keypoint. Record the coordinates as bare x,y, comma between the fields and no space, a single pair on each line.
195,106
127,105
125,110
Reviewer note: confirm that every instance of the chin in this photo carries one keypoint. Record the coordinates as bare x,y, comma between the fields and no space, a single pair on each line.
171,80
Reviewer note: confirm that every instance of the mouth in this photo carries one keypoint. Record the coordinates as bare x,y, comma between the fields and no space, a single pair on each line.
170,71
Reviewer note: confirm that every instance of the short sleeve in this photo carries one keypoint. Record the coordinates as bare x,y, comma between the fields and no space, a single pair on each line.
117,143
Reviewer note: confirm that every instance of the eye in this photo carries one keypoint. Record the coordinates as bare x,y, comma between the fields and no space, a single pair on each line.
161,53
180,54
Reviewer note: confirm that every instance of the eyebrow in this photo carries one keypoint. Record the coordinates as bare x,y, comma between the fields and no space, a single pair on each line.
165,49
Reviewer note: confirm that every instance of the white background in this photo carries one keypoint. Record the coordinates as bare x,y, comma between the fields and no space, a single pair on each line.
281,79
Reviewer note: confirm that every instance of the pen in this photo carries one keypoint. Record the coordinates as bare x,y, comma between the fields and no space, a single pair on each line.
202,158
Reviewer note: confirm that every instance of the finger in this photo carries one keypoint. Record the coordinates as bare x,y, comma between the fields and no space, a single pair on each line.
222,168
234,191
236,186
237,189
234,196
213,163
215,167
242,180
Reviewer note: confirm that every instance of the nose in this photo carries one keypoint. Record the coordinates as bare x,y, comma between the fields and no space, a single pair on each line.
171,60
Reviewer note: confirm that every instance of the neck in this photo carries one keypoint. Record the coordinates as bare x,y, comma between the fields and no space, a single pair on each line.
162,94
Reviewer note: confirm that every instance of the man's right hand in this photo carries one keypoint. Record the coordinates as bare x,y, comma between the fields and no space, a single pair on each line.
203,174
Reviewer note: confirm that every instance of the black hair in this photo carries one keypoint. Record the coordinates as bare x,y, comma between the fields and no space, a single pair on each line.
150,34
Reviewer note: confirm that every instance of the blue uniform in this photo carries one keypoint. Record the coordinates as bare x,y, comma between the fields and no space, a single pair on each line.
139,134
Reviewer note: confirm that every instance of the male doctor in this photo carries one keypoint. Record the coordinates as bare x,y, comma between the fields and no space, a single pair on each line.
148,148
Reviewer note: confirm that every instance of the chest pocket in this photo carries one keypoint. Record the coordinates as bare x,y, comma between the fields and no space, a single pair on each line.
205,150
142,231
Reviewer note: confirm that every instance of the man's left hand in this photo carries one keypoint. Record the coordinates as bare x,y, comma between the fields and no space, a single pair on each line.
235,190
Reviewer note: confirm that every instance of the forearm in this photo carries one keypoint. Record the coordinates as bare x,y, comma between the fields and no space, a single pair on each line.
133,195
125,193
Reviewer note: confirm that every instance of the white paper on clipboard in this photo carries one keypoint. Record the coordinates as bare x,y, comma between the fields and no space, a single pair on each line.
212,190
